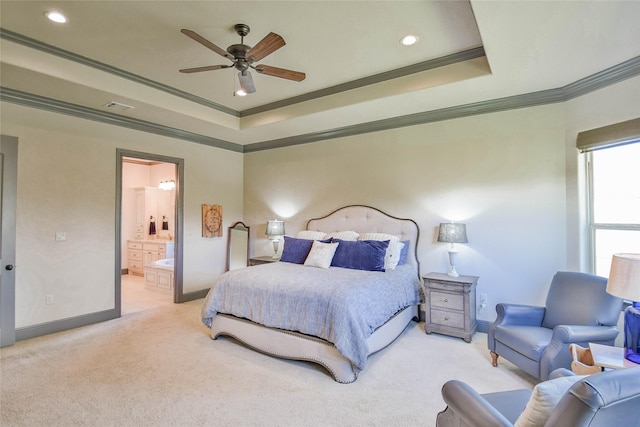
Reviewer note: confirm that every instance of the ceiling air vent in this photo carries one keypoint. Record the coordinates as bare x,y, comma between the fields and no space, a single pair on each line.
118,106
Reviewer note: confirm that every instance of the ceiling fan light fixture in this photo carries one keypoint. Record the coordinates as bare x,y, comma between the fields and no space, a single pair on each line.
55,16
243,57
409,40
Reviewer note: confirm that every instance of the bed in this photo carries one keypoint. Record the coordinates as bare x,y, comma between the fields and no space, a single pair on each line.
335,317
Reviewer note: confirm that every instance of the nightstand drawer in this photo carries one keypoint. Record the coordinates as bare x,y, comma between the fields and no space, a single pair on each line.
451,319
446,300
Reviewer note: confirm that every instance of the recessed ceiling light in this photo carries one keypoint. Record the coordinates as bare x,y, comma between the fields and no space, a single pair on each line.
56,17
409,40
240,92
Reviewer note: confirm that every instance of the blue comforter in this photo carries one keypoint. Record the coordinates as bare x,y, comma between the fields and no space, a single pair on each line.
340,305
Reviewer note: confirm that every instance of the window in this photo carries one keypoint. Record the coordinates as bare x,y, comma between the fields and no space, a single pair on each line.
614,202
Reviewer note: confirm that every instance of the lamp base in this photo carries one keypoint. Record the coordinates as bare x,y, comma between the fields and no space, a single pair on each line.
632,333
275,249
452,262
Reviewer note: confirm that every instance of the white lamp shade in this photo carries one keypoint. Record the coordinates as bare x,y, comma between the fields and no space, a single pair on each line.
452,232
624,277
275,228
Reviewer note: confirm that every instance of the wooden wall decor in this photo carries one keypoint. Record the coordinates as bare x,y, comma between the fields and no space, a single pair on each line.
211,221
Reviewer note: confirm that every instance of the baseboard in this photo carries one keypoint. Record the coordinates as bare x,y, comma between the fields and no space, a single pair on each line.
64,324
483,325
194,295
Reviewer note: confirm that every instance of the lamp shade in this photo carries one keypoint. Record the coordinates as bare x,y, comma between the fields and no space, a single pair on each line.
275,228
624,277
452,232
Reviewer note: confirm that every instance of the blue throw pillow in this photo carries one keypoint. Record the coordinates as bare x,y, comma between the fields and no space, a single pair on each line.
360,255
296,250
404,252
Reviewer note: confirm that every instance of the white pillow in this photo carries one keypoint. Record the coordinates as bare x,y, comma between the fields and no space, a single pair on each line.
321,254
392,256
311,235
351,236
543,400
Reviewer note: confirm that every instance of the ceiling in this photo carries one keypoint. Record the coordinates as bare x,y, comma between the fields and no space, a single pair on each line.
356,70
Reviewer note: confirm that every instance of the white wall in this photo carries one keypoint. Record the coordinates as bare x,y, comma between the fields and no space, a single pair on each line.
507,175
66,182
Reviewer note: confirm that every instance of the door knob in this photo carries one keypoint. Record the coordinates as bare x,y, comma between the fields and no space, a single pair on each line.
8,267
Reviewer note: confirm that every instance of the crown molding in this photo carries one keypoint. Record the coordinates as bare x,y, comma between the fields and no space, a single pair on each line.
431,64
610,76
62,53
377,78
75,110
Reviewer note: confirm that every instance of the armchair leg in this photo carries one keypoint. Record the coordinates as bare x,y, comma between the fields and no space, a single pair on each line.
494,359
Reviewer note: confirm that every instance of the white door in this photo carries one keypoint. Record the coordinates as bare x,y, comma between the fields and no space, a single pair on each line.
8,186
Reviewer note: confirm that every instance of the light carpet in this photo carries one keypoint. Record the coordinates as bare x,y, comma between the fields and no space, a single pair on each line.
160,368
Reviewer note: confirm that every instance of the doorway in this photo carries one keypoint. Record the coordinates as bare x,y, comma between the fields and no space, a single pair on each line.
149,231
8,190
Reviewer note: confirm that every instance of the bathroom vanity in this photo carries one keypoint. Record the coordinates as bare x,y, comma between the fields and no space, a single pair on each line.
143,252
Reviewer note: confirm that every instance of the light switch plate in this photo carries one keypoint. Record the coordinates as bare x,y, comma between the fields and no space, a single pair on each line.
61,236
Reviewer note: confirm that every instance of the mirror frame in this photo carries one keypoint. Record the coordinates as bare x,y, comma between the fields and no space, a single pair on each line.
240,226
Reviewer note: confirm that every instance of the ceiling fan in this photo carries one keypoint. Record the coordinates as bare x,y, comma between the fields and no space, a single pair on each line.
243,57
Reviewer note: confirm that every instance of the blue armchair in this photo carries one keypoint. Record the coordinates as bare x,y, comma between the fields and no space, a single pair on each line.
536,339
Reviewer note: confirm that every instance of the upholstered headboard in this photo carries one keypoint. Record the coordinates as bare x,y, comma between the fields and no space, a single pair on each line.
365,219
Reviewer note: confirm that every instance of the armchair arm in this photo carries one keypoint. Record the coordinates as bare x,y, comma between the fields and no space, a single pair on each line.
561,372
557,354
582,334
518,314
465,406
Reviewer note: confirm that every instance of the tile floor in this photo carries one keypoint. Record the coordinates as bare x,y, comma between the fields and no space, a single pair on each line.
135,297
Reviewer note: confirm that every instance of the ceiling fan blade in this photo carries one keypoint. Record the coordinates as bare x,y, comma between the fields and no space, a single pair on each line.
281,72
266,46
207,68
246,82
206,43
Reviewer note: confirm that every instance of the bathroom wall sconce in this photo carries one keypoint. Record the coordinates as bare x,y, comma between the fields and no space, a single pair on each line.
167,185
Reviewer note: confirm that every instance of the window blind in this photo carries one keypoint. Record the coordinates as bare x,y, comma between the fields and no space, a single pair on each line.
609,136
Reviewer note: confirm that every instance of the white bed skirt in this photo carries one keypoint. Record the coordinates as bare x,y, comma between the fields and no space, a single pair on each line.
296,346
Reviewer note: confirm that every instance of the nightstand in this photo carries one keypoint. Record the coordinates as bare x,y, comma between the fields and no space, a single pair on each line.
262,260
451,305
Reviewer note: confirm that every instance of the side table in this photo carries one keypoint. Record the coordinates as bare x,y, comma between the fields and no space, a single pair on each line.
451,305
262,260
606,356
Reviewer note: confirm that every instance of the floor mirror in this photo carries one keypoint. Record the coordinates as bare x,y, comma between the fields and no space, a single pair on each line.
238,246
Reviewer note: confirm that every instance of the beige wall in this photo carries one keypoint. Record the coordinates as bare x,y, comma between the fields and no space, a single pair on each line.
506,175
614,104
513,177
66,182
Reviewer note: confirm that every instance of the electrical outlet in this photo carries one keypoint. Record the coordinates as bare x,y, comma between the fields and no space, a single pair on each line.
49,299
483,298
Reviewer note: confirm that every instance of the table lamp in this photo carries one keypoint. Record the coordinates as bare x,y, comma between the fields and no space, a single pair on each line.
275,231
624,282
452,233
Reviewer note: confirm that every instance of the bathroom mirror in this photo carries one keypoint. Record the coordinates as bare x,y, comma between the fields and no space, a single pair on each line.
238,246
